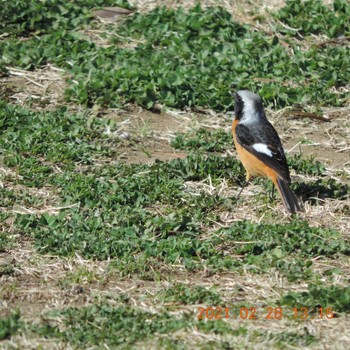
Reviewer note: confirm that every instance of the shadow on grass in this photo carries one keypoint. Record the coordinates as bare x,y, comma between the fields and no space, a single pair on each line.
322,189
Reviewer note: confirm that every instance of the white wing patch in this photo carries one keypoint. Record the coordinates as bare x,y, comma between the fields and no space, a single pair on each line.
262,148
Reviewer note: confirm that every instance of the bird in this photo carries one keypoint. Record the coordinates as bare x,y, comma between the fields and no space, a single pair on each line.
259,147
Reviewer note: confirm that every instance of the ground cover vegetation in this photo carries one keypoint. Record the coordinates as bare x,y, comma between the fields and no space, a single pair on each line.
93,245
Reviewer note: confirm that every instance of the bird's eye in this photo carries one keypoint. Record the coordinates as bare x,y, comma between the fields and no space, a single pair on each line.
239,98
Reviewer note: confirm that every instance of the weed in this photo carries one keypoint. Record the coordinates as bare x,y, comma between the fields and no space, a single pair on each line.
289,247
205,45
204,140
219,140
301,339
102,323
181,293
314,17
4,242
79,276
336,297
6,269
306,166
149,219
10,325
112,215
58,136
26,17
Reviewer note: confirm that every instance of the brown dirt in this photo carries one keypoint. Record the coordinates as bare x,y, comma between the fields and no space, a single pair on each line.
40,89
328,142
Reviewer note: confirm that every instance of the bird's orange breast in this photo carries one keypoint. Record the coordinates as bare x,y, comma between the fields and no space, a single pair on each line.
253,165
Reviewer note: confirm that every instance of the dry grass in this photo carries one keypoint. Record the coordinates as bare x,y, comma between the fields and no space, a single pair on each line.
40,89
239,9
37,285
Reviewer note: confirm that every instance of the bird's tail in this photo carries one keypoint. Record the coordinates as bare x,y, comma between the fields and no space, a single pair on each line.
289,199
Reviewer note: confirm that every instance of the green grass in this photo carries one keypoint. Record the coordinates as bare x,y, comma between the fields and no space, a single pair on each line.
174,236
6,269
141,236
111,213
184,294
306,166
99,323
314,17
289,248
151,222
301,339
336,297
57,136
77,277
10,325
4,242
117,75
203,140
22,18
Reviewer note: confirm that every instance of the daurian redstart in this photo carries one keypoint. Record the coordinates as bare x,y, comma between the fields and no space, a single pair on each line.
259,147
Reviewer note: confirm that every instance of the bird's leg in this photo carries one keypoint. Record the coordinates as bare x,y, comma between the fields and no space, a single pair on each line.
245,184
272,193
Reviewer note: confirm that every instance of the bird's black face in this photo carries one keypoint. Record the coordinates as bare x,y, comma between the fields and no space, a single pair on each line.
239,104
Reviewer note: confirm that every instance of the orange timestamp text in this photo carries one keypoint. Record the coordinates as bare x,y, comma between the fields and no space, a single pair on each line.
268,313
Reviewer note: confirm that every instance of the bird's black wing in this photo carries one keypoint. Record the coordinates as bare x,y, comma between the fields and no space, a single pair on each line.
265,134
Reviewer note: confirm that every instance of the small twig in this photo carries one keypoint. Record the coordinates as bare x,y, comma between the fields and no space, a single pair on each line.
343,149
333,41
35,83
294,147
55,68
18,73
298,114
287,27
40,211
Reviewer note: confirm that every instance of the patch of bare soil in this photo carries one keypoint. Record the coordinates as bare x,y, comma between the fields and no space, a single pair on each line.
41,283
147,135
328,141
243,11
149,152
39,89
